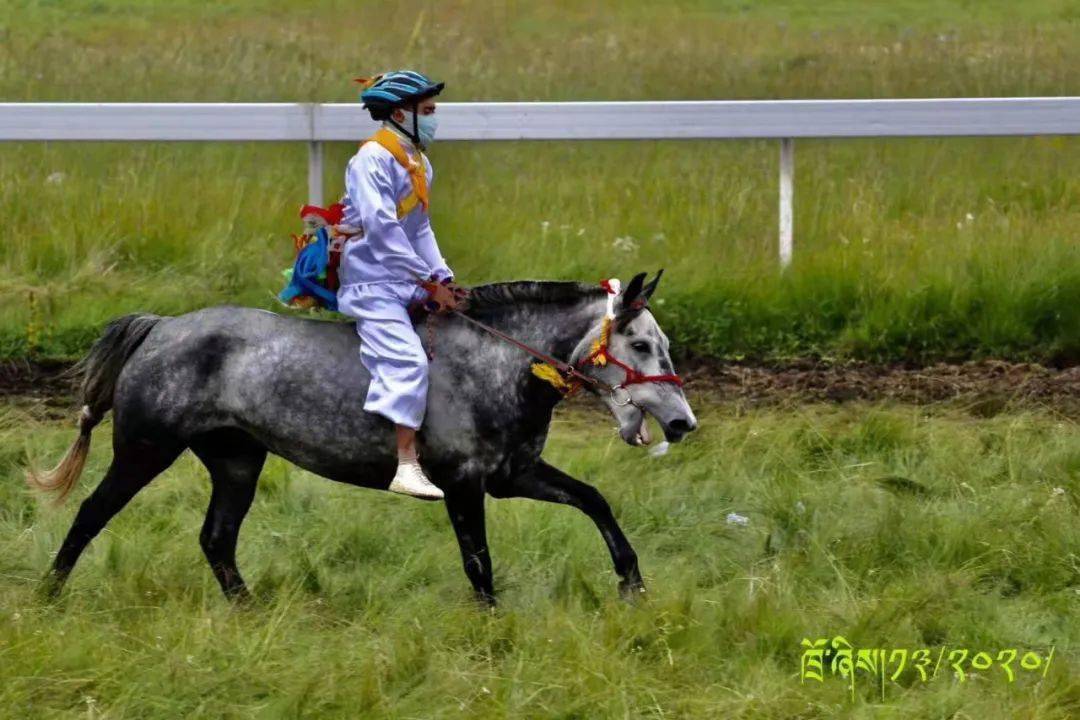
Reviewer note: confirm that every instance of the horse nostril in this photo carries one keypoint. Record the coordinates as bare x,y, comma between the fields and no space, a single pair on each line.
681,425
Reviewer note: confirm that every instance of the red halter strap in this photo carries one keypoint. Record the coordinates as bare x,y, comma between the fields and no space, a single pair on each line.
633,377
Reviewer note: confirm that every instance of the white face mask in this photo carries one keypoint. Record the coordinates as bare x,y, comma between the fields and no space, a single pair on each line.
425,127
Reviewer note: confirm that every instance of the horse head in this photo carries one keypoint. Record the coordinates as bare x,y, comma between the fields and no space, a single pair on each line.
632,357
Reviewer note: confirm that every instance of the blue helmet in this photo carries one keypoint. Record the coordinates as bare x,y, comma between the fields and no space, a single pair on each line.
384,93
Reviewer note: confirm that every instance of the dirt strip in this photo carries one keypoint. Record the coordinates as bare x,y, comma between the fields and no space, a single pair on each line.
987,386
42,379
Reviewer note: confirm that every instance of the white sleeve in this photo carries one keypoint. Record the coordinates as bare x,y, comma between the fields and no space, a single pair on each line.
370,190
428,249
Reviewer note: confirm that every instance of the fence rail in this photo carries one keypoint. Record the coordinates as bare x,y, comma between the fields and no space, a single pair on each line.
783,120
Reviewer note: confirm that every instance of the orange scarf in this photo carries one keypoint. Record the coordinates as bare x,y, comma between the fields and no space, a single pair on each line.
416,169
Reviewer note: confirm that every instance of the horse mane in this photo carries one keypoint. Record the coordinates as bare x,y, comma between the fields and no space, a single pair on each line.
494,296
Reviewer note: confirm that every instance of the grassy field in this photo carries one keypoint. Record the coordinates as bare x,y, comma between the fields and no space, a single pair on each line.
905,249
894,526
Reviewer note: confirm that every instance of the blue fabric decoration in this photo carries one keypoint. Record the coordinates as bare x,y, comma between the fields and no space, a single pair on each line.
310,266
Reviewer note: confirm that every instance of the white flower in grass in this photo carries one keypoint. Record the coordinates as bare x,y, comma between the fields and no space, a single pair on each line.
625,244
737,519
55,178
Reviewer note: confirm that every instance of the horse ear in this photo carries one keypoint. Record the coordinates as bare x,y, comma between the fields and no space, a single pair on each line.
632,291
651,287
632,301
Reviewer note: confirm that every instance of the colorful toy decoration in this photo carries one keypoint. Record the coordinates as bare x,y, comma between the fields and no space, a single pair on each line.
313,280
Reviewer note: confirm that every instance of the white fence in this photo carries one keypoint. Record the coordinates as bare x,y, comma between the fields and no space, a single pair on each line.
783,120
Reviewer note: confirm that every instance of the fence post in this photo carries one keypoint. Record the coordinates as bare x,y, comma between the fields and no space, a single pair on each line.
315,173
787,196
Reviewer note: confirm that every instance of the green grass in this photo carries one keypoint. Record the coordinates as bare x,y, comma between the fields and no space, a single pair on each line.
905,249
894,526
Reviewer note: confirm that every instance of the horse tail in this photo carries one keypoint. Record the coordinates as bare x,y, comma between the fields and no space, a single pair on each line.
99,371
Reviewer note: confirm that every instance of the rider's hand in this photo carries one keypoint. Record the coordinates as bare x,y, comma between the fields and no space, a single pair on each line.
461,294
444,297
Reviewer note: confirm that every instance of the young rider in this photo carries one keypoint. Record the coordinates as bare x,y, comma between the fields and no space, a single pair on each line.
386,194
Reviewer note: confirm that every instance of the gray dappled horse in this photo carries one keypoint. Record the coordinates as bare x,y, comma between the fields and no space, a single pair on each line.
235,383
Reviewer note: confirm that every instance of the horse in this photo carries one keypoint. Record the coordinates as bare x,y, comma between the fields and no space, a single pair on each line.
233,384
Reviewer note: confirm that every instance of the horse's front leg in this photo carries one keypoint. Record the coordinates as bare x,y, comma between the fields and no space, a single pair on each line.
466,508
547,483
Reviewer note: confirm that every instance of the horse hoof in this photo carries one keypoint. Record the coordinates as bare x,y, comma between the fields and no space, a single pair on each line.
486,600
48,590
241,598
631,590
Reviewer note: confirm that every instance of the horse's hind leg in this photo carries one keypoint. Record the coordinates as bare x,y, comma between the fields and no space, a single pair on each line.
234,460
134,465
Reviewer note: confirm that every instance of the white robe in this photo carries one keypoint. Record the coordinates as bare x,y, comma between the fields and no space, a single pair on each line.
378,281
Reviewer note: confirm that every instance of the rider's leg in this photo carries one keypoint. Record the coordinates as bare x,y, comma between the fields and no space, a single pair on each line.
406,443
392,353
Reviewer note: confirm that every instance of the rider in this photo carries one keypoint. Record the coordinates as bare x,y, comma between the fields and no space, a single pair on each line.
386,194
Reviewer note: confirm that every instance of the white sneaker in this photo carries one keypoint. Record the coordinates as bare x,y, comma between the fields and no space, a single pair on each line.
411,480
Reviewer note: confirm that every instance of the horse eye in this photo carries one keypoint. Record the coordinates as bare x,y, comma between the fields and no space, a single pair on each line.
640,346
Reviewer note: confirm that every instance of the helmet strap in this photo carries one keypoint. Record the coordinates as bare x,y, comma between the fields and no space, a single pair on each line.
415,134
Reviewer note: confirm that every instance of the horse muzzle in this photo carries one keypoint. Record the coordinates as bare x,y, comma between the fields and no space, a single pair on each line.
675,430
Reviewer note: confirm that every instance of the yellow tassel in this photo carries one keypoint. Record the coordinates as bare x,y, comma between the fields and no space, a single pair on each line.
549,374
595,348
601,342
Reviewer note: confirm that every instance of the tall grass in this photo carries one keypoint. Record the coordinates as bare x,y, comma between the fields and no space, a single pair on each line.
895,527
905,249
